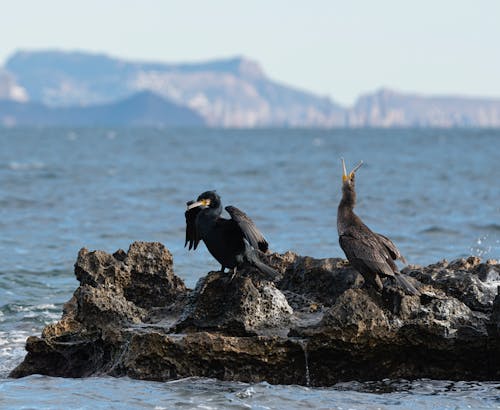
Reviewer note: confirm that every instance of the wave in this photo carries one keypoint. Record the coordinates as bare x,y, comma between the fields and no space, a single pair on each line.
434,229
490,227
30,308
41,314
11,349
419,386
17,203
52,273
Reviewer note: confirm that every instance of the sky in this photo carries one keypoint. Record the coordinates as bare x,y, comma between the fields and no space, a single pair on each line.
333,48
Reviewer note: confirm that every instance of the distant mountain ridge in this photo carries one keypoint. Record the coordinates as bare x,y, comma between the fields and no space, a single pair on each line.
387,108
232,92
9,89
141,109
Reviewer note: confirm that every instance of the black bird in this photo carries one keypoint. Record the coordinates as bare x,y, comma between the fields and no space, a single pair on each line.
370,253
231,241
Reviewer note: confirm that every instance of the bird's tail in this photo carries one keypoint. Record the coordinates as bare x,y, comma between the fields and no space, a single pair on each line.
253,258
270,272
402,281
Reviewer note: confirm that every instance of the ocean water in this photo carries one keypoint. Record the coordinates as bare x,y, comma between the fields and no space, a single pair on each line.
436,193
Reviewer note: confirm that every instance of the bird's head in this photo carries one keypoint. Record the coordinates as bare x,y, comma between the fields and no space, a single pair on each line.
348,180
208,199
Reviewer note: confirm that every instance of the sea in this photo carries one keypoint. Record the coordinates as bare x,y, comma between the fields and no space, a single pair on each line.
435,192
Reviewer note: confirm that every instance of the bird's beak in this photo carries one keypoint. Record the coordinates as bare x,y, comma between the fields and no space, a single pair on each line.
195,204
344,171
355,168
345,176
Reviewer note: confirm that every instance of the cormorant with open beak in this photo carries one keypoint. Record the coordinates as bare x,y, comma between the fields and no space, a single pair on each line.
370,253
231,241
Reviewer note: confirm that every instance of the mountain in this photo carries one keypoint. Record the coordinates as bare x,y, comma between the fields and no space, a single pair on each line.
232,92
387,108
141,109
9,89
228,92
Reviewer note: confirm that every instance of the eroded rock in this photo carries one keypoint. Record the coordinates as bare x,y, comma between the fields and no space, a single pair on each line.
239,305
467,279
132,316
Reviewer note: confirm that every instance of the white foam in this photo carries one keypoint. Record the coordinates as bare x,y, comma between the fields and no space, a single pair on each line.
31,308
246,393
25,166
11,349
493,276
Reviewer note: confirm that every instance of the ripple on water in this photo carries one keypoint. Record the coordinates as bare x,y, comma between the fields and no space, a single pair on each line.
114,190
439,230
489,227
106,392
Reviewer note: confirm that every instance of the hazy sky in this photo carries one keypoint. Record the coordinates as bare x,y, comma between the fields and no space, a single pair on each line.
334,48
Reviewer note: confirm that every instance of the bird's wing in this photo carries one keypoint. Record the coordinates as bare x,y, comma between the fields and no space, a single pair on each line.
367,248
192,235
250,231
393,250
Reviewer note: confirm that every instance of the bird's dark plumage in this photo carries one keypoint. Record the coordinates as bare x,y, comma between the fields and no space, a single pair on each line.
231,242
191,232
370,253
248,228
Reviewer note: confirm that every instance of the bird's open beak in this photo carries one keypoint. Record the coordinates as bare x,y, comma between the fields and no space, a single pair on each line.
345,176
195,204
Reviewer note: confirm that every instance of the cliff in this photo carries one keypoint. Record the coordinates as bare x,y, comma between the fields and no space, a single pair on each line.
231,92
388,109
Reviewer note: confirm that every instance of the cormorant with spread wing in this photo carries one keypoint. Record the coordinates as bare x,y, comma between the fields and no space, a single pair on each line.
231,241
370,253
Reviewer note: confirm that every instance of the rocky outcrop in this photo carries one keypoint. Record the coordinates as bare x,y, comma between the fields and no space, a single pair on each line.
253,306
315,323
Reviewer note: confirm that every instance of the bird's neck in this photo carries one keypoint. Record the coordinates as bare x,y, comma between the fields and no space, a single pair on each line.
206,221
210,214
348,200
345,213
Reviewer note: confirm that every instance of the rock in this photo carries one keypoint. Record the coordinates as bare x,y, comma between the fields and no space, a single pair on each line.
470,281
115,290
238,306
321,281
314,324
144,275
159,356
494,323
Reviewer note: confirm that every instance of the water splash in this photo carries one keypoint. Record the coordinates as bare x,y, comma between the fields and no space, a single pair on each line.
303,345
483,246
11,350
246,393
